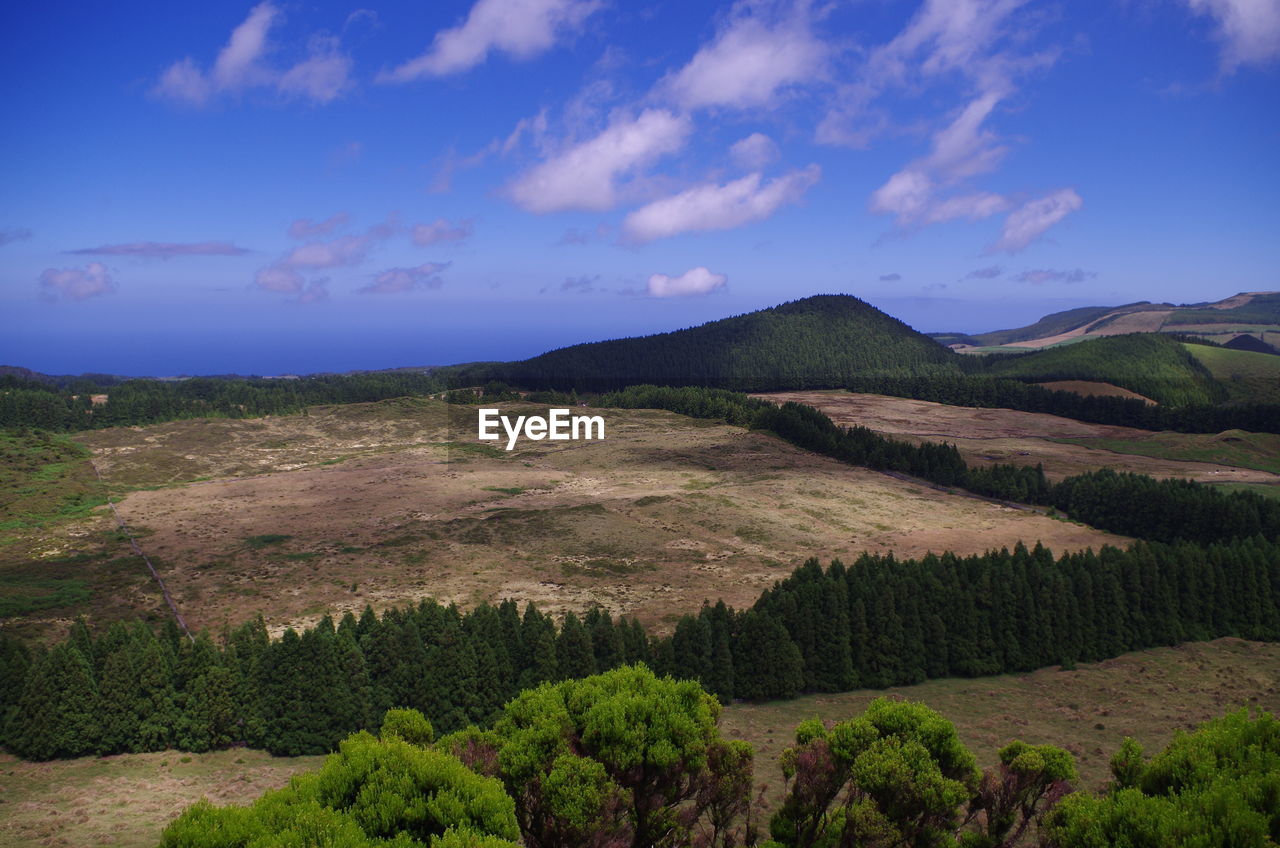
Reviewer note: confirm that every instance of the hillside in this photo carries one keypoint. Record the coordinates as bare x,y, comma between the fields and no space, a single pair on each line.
817,342
1154,366
1255,313
1248,376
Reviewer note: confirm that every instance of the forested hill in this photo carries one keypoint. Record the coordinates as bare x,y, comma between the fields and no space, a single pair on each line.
817,342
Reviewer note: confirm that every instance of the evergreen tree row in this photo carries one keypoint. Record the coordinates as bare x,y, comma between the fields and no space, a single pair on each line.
989,392
128,689
1131,504
878,622
886,622
29,403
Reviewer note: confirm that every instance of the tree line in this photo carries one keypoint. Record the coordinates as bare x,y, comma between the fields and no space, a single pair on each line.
878,622
30,403
990,392
1131,504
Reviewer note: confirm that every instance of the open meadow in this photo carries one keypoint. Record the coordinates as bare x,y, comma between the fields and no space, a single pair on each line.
1064,446
291,517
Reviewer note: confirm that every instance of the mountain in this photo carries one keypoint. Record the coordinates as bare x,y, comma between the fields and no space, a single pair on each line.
816,342
1254,313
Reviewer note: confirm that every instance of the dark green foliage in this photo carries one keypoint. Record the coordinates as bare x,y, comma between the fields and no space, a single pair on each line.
374,792
1218,787
818,342
1147,363
143,401
621,758
57,715
1165,510
897,775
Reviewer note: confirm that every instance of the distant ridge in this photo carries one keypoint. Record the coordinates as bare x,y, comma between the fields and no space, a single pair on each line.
817,342
1252,313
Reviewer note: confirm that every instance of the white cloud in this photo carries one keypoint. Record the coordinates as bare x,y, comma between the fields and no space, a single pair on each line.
237,65
305,228
77,283
749,62
917,195
396,280
1042,276
1248,29
695,281
520,28
717,207
11,234
754,152
586,175
1027,223
322,77
163,250
441,231
278,278
286,273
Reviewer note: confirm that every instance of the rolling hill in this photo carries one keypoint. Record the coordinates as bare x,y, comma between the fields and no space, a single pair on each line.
1152,365
1254,313
816,342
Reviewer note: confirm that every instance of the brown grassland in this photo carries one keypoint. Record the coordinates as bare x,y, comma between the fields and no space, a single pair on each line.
125,801
388,503
1065,447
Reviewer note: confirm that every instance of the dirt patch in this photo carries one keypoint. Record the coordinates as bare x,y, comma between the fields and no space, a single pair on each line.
1089,388
991,436
127,800
665,513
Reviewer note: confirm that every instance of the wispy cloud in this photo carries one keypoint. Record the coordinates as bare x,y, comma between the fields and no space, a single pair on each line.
754,57
1042,276
397,280
695,281
163,250
77,283
1030,221
305,228
1248,30
988,273
587,174
11,234
717,207
890,278
576,285
240,66
286,274
522,29
441,231
754,152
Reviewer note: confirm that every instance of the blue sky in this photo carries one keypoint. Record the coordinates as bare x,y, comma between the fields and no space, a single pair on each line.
303,186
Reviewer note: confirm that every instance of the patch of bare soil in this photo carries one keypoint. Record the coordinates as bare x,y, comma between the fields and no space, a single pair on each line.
663,514
990,436
1089,388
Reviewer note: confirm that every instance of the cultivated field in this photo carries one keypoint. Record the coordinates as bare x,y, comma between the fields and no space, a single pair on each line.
1064,446
387,503
125,801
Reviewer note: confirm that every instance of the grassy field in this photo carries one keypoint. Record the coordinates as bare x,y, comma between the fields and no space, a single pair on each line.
125,801
1234,448
1249,377
1063,446
1147,695
295,516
